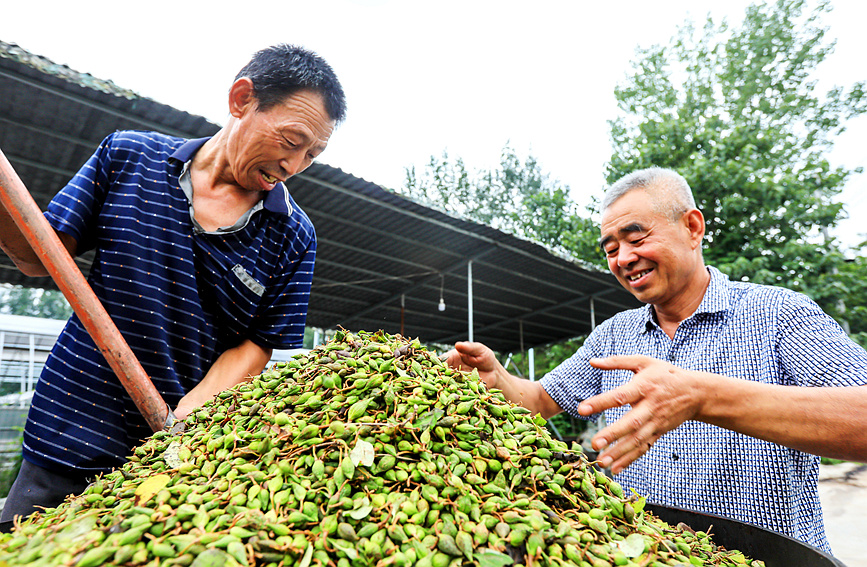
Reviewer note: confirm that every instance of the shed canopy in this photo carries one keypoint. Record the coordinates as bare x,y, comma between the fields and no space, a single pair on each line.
383,261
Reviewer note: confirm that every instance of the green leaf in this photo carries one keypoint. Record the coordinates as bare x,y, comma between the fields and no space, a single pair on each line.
491,558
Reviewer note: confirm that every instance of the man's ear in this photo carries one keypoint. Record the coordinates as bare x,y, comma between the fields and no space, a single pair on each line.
241,97
694,221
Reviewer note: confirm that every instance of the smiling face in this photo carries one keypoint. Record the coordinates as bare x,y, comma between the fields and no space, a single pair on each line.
265,147
656,258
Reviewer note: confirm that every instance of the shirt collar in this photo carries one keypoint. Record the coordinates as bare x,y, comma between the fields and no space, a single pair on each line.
715,300
277,200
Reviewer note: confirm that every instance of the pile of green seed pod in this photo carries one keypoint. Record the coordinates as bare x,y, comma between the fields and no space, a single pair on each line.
366,451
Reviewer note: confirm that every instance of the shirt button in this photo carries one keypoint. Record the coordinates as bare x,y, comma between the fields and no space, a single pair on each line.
674,456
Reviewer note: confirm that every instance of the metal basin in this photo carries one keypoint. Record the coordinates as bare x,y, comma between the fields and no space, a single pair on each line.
776,550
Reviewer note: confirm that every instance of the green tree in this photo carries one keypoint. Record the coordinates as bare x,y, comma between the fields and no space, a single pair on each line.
34,302
852,297
517,197
737,112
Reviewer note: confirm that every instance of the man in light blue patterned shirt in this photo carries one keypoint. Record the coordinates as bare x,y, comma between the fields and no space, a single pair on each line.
719,394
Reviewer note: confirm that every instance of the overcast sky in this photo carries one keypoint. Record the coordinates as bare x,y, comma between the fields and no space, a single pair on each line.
467,77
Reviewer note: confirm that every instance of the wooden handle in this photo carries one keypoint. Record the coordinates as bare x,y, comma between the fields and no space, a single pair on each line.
60,265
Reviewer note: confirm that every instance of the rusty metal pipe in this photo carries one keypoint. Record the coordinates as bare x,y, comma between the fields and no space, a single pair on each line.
62,268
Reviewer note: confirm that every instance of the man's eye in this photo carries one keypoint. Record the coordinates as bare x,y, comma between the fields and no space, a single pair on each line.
611,252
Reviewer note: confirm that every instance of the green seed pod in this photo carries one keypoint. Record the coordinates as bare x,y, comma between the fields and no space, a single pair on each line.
535,544
238,552
464,542
96,556
346,531
446,544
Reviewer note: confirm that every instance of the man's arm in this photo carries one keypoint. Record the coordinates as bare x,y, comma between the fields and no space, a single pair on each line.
531,395
13,243
826,421
231,368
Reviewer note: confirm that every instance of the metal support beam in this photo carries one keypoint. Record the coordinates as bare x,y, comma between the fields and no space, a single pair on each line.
31,362
532,364
592,314
470,300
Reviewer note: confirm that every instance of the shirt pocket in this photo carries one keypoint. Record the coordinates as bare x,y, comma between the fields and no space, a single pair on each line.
239,296
249,281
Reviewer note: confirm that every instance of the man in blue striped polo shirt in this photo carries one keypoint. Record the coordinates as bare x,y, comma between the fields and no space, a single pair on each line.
719,394
203,261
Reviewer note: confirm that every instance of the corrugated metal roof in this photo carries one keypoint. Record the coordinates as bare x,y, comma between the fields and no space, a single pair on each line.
377,249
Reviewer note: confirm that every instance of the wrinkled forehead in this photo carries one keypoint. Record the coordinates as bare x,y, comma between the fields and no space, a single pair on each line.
657,199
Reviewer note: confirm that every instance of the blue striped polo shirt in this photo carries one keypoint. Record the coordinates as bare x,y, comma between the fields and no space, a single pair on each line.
180,296
742,330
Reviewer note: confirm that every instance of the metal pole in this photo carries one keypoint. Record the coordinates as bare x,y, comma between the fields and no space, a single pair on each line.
470,300
2,342
532,359
592,314
31,362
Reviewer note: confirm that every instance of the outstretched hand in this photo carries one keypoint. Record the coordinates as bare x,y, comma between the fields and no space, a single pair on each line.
662,397
466,356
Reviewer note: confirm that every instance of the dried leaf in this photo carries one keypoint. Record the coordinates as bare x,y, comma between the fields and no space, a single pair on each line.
151,486
171,456
362,453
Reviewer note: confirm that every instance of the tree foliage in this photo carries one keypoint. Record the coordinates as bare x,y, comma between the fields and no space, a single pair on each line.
34,302
517,197
738,113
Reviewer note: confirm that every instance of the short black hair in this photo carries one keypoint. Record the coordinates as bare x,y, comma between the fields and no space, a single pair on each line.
279,71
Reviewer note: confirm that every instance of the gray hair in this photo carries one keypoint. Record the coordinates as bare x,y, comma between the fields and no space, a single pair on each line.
672,195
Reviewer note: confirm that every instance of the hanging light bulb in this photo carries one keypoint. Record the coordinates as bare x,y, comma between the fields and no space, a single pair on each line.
442,305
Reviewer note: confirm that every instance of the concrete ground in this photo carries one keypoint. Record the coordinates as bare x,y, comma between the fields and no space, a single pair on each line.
843,492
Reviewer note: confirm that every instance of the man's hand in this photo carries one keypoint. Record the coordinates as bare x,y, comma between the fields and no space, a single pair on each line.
466,356
662,397
232,367
531,395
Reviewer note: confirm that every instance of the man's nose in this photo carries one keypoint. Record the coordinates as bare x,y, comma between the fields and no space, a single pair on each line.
626,255
292,165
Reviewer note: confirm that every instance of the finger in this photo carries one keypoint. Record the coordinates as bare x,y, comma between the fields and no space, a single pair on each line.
637,425
181,412
634,362
471,350
627,459
453,358
620,396
622,445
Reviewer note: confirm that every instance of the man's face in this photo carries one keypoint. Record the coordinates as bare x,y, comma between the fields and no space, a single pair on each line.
651,256
273,145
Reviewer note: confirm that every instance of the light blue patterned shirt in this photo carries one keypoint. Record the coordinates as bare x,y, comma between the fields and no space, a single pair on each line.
742,330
